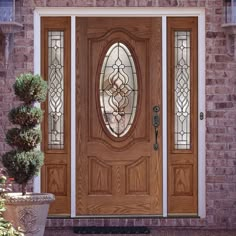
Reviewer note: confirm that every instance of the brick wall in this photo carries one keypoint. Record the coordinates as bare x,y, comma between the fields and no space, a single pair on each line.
220,113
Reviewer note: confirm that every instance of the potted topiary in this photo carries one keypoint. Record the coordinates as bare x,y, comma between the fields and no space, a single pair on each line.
26,211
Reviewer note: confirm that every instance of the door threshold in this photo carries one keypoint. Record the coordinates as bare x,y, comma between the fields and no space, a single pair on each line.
122,216
104,216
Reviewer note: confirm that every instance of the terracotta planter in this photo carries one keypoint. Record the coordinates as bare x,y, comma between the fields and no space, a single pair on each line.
28,213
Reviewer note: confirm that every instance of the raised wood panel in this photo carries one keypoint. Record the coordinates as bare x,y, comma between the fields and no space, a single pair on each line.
137,176
100,151
120,207
182,163
100,176
57,179
183,180
55,174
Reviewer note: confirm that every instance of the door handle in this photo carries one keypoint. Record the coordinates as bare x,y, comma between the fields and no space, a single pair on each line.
155,123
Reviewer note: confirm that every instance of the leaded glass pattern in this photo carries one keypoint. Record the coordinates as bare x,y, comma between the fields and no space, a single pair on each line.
118,90
56,90
182,90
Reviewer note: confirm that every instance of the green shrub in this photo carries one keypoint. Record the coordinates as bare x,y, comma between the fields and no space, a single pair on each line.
24,161
23,139
30,88
26,116
22,166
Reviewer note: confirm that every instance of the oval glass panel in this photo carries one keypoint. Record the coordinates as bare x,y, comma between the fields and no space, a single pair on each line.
118,90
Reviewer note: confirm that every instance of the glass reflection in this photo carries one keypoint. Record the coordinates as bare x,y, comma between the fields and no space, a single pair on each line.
182,90
118,90
56,90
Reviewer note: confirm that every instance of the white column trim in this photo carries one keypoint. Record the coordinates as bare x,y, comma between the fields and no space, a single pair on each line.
37,69
201,123
164,113
119,11
73,118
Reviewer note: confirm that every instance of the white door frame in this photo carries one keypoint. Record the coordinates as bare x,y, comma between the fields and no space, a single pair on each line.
133,12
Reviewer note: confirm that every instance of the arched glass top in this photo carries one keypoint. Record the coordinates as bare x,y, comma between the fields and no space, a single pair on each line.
118,90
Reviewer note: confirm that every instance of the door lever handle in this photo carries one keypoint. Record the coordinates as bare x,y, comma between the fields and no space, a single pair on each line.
155,123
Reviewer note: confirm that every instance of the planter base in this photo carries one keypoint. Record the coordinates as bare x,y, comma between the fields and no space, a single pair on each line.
28,213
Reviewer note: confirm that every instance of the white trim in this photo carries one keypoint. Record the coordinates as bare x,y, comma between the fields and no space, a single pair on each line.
164,113
73,119
201,123
119,11
37,58
134,12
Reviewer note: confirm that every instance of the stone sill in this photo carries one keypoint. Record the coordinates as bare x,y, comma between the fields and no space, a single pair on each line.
230,27
10,27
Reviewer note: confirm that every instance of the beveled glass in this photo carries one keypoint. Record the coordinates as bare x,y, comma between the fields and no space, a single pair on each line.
56,90
118,90
182,90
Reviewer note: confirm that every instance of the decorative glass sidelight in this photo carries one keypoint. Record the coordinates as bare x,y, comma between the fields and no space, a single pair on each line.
56,90
182,90
118,89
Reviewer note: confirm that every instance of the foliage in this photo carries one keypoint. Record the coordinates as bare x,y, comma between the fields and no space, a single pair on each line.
30,88
23,162
23,139
26,116
6,228
22,166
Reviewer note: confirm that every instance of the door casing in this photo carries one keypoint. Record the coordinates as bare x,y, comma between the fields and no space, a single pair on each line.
131,12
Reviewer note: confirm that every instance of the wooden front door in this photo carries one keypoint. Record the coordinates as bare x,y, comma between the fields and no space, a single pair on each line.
119,145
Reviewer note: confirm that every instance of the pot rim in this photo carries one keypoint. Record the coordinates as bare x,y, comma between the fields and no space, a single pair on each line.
29,198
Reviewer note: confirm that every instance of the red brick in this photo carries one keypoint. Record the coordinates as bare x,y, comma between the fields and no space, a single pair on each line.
144,3
105,3
60,3
220,115
123,3
130,3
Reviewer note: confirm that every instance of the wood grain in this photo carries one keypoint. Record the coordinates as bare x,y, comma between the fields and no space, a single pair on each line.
183,180
124,173
99,176
55,175
56,179
182,164
137,176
